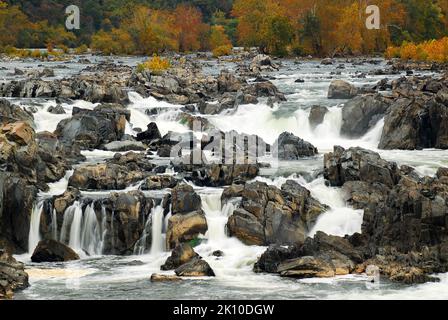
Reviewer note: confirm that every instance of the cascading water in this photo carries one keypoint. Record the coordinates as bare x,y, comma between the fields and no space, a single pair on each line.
157,243
211,204
34,235
82,231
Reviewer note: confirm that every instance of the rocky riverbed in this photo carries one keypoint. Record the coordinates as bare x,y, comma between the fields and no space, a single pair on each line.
242,178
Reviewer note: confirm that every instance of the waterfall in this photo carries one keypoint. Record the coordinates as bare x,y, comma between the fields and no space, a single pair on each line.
82,231
91,235
153,227
34,234
158,243
54,225
75,229
216,217
339,220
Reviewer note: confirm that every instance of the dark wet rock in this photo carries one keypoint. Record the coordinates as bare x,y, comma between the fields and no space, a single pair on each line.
92,128
218,175
362,113
17,198
126,216
12,275
58,109
152,133
65,200
416,123
290,147
321,256
195,268
357,164
317,115
12,113
269,215
53,251
182,253
340,89
185,199
218,253
185,227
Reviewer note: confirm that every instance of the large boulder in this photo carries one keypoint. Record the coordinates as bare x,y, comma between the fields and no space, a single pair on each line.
268,215
17,198
416,123
290,147
184,199
340,89
53,251
182,253
358,164
92,128
362,113
317,115
195,268
321,256
12,275
152,133
185,227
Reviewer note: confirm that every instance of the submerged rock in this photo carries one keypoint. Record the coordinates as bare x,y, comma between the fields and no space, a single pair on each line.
164,278
53,251
195,268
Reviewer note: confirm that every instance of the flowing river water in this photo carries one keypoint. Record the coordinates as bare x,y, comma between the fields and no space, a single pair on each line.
97,276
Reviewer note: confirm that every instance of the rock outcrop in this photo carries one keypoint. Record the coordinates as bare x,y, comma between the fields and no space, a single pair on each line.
269,215
12,275
53,251
290,147
340,89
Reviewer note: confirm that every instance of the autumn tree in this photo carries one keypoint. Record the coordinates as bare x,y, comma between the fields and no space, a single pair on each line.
12,23
188,22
